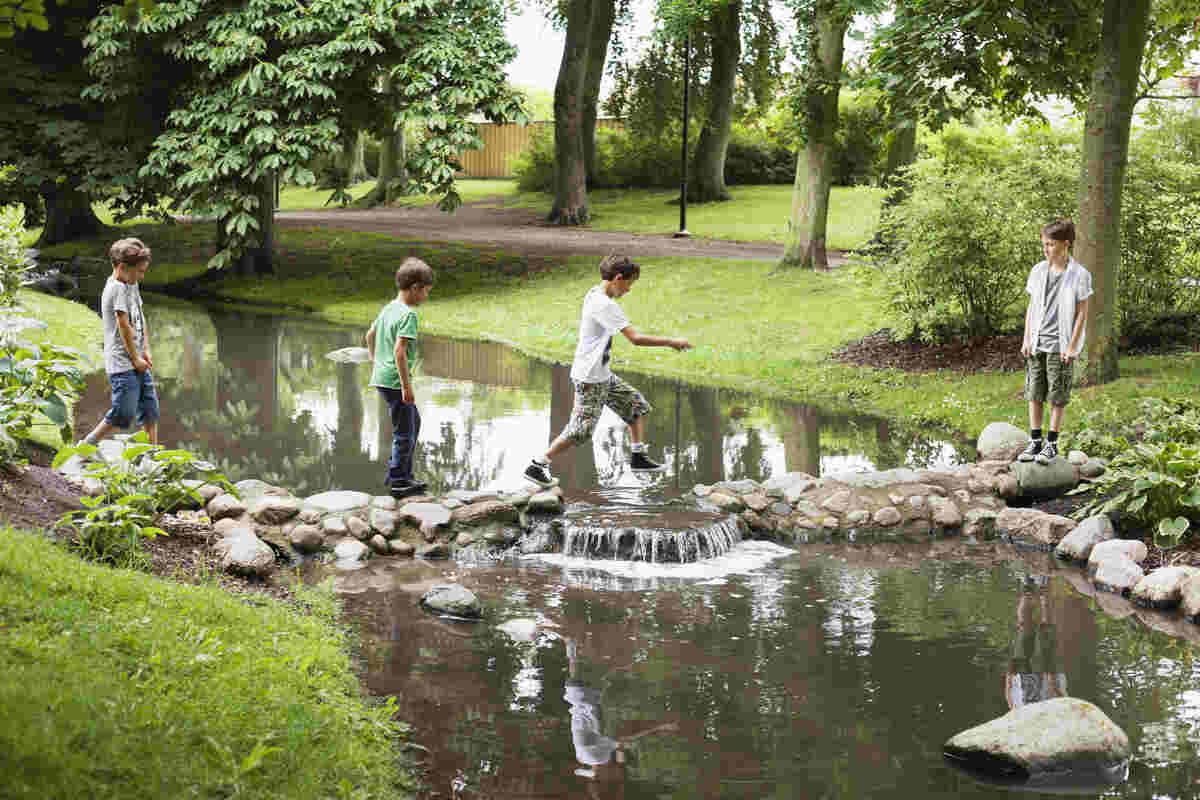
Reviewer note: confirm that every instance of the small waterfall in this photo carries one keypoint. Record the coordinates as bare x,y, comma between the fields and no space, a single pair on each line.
589,539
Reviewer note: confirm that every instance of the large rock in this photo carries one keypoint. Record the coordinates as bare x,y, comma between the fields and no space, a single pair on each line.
351,551
1001,441
1129,549
338,501
225,505
789,485
306,538
945,512
272,509
1117,575
1162,588
1042,742
1189,602
245,554
484,511
1045,480
1077,545
1032,527
429,517
876,480
980,523
450,598
383,521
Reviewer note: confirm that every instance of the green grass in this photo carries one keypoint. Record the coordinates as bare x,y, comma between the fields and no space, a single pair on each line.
117,684
296,198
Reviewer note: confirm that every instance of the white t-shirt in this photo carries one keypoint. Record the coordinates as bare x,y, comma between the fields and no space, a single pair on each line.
118,296
601,318
1074,288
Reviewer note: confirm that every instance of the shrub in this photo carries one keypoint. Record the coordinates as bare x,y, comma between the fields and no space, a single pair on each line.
13,261
965,238
862,131
753,159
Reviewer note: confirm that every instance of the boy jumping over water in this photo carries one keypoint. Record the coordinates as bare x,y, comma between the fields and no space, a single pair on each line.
595,384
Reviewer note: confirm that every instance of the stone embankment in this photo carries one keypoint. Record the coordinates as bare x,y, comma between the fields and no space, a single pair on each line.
261,525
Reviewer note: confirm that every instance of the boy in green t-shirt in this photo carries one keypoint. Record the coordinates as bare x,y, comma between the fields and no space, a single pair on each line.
395,329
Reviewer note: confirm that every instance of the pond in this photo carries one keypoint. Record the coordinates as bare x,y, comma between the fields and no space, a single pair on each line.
821,670
256,394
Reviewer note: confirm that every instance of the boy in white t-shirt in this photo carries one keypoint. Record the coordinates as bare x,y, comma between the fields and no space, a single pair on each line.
595,384
1055,329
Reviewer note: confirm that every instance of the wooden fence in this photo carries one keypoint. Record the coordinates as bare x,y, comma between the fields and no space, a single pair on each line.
502,143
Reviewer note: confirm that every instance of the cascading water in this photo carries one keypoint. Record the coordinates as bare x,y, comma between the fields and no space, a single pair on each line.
677,537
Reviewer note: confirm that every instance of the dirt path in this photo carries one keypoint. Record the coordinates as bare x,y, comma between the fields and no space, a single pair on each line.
525,230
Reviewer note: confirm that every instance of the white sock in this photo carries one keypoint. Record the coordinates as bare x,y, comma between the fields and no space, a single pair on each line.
639,447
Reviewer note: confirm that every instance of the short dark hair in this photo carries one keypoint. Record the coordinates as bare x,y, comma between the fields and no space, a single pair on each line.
413,272
1060,230
128,251
619,266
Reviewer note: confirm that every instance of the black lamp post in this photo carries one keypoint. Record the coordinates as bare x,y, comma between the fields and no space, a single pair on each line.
687,79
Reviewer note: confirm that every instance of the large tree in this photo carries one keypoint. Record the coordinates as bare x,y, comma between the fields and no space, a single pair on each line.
265,93
589,25
940,57
823,25
67,151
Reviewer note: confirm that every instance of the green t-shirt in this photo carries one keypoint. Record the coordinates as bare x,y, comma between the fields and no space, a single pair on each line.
396,319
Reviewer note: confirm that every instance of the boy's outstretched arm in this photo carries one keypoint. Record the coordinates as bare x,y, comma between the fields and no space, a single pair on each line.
645,340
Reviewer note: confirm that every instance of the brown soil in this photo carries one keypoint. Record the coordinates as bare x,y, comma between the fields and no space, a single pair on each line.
879,349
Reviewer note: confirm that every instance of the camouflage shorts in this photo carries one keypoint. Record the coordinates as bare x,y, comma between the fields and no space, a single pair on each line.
591,398
1048,378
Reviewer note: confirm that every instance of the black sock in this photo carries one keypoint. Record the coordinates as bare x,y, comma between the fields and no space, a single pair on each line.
1052,436
1035,434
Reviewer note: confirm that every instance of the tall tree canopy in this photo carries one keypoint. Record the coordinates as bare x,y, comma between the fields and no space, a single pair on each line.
267,84
942,55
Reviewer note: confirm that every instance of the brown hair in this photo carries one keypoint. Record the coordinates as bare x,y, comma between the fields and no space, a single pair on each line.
129,252
1061,230
619,266
413,272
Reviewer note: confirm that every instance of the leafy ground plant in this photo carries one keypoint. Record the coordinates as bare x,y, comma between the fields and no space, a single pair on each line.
143,484
36,384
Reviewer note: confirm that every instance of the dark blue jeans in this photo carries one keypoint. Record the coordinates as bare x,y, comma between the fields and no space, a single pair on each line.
406,426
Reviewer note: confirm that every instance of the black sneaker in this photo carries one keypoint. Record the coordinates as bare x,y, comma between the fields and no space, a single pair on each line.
407,488
1048,453
1031,450
540,474
638,462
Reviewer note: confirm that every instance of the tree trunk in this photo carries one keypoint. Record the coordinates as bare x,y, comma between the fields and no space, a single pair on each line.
1105,156
570,172
814,163
726,35
603,15
259,259
391,161
352,160
69,216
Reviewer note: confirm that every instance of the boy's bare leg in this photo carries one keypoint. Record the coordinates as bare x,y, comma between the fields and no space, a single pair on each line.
1056,417
1036,412
103,429
637,430
151,429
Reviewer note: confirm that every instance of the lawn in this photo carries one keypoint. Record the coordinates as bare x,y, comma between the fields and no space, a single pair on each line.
118,684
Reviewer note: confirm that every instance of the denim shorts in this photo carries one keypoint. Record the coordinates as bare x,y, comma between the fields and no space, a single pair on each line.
134,400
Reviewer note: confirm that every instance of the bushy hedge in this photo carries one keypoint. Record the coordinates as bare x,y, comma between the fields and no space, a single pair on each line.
966,237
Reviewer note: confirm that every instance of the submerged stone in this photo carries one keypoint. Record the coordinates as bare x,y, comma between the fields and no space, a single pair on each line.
1056,738
453,599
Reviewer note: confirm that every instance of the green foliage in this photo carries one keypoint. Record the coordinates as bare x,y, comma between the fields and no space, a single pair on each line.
966,236
269,83
36,384
13,262
1154,469
146,482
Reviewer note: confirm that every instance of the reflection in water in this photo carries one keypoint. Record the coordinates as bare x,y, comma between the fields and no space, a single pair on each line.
836,671
255,394
1034,672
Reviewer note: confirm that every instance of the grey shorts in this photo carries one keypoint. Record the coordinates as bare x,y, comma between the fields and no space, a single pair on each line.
1048,378
591,398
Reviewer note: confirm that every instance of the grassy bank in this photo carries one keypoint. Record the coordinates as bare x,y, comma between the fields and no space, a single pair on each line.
117,684
753,330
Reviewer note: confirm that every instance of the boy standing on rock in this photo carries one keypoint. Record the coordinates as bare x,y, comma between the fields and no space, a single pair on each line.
126,345
395,330
1055,327
595,384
